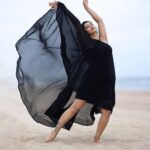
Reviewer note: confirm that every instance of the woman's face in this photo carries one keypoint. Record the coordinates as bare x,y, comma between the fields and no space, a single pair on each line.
89,28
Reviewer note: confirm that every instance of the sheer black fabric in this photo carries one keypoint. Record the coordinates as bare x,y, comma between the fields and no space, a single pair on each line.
51,67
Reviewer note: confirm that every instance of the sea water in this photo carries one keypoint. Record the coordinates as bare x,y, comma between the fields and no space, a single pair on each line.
133,83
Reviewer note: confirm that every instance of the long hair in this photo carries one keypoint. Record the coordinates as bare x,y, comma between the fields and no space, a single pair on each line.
83,23
83,26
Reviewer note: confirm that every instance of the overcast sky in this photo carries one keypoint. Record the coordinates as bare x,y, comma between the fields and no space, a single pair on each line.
127,23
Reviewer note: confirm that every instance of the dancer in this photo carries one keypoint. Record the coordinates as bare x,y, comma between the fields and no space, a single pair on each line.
97,85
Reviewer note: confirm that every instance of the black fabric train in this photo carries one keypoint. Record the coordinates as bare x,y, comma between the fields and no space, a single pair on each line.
55,57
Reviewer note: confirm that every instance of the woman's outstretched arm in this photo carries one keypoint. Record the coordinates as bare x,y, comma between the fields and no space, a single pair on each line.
98,19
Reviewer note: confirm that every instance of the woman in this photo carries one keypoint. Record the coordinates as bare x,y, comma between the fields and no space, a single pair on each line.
60,57
101,64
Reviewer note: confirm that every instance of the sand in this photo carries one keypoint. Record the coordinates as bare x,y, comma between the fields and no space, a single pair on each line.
128,128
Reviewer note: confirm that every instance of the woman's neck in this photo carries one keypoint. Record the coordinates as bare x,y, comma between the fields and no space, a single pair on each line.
95,35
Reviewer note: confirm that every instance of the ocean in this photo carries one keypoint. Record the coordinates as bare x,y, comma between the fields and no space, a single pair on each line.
122,83
133,83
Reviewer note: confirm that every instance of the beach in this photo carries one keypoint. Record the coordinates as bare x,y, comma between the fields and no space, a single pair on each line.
128,128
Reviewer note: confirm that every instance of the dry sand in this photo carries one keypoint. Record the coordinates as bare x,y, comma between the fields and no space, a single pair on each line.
128,128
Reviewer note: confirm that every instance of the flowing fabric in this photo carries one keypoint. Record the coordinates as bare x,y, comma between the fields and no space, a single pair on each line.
51,66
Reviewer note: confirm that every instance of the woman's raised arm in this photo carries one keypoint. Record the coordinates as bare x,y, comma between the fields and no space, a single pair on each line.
98,19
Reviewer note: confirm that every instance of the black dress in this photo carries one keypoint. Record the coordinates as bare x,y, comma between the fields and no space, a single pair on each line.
97,85
59,62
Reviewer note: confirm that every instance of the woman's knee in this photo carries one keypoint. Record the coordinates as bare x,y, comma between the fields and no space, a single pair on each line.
105,112
77,105
74,109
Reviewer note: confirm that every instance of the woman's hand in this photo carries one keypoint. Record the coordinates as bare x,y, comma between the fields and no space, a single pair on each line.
85,3
53,5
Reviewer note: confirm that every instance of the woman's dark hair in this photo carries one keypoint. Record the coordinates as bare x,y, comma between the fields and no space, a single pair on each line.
84,23
83,26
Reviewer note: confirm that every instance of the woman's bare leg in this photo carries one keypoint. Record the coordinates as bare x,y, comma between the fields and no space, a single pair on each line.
102,124
66,116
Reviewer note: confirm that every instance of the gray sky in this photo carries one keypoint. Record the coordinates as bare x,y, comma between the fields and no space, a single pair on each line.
127,23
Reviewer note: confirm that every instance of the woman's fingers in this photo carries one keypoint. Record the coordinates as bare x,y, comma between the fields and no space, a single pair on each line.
53,4
85,3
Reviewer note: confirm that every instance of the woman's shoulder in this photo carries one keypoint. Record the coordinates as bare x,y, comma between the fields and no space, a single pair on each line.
102,42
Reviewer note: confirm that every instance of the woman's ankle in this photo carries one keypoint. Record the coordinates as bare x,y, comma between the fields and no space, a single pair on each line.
96,139
58,127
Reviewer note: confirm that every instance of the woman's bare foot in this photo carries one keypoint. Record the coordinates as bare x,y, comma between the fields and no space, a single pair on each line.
51,136
96,139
